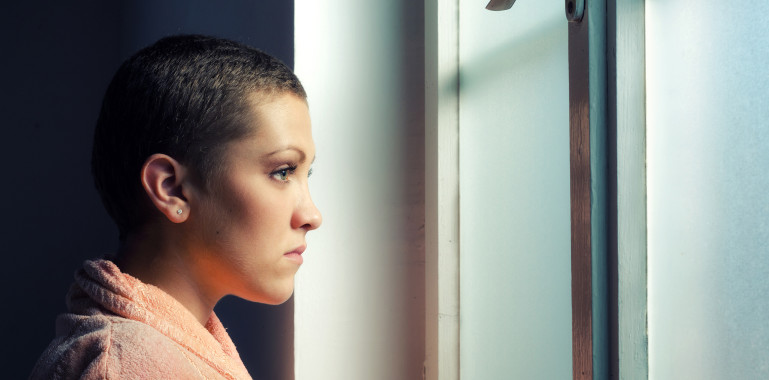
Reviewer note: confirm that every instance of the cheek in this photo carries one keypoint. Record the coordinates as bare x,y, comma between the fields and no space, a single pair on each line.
255,212
252,212
220,215
264,214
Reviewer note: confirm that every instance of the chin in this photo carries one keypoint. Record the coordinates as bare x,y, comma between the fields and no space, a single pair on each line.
273,297
278,302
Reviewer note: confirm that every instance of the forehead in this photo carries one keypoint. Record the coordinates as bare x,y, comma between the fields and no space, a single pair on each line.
277,122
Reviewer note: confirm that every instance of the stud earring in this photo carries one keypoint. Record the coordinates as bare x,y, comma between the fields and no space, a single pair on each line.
179,212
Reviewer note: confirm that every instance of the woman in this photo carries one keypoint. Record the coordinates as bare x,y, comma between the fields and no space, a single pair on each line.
201,155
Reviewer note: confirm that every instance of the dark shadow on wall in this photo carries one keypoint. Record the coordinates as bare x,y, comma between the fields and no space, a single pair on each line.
412,91
58,58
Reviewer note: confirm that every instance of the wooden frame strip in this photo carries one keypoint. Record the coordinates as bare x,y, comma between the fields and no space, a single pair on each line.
587,133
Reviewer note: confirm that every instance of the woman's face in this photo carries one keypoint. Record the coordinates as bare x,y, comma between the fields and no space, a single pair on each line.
250,225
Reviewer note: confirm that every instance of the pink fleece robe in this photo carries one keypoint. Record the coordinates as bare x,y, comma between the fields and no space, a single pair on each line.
120,328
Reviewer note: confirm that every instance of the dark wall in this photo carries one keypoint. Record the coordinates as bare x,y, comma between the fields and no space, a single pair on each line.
57,59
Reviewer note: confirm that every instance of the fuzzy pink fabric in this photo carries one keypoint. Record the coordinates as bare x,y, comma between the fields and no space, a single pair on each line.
120,328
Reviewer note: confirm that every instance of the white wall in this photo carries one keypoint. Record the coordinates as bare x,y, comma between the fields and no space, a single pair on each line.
360,293
515,274
708,203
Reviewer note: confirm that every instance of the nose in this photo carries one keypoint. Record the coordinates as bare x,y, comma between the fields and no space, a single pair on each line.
306,216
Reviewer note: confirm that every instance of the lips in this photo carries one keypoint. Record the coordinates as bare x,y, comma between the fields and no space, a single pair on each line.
298,250
296,254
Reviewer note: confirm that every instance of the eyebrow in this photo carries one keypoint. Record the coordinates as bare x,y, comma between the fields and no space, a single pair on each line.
302,155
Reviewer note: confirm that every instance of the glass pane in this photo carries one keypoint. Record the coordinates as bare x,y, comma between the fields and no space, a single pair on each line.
708,204
515,281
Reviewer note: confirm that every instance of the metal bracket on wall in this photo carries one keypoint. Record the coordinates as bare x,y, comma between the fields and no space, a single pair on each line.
574,10
500,5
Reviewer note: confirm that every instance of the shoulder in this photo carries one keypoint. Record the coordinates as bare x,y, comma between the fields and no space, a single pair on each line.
106,346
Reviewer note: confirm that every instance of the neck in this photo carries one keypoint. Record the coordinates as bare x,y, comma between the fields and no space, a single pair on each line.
167,266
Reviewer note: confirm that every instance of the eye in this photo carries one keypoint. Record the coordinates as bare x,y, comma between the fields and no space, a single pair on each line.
283,173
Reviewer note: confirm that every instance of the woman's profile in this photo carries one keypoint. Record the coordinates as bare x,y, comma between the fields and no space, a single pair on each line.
202,153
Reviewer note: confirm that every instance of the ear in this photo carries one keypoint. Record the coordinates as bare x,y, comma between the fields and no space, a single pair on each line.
164,178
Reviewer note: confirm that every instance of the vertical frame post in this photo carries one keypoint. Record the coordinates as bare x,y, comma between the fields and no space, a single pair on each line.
587,133
627,189
442,190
